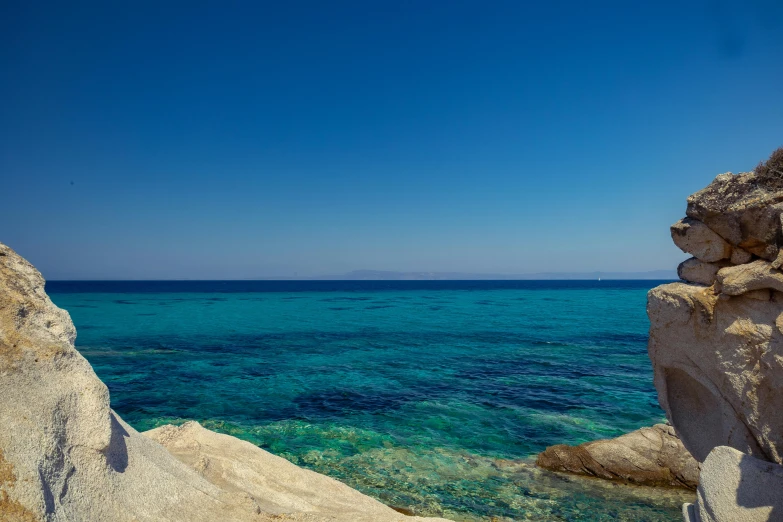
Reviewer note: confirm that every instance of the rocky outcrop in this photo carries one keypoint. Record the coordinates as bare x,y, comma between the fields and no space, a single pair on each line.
699,272
718,368
717,348
649,456
696,238
66,456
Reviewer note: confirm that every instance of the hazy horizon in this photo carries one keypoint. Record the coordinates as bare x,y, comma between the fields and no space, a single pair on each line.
384,275
216,142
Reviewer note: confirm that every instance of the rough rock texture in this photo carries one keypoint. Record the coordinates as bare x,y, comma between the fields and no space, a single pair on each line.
649,456
699,272
276,485
744,210
737,488
696,238
737,280
66,456
718,365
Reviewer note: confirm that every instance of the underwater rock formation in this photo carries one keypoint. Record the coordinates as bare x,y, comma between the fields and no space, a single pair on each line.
66,456
717,348
648,456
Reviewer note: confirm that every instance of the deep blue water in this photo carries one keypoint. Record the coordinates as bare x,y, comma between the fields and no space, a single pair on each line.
429,395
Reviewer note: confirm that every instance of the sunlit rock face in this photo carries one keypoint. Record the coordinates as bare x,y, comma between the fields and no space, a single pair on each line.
716,344
648,456
718,364
66,456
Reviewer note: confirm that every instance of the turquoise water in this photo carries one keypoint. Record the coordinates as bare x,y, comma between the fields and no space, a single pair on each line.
431,396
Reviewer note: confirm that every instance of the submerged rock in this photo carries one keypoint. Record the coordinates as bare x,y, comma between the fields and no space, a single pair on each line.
66,456
648,456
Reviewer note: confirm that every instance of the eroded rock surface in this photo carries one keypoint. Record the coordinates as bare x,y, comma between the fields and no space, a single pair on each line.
648,456
717,350
66,456
699,272
737,488
696,238
744,210
718,367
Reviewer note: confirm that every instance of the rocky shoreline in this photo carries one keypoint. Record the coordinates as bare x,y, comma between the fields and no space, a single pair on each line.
716,345
66,456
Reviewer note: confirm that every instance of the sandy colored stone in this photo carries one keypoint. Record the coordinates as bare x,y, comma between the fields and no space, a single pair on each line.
276,485
737,488
697,239
648,456
744,210
718,369
759,274
740,257
66,456
695,271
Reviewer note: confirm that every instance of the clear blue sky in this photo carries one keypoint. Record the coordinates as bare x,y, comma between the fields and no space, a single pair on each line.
235,140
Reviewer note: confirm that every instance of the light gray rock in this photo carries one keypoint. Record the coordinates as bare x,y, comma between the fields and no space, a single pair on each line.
695,271
737,280
648,456
718,369
66,456
737,488
695,238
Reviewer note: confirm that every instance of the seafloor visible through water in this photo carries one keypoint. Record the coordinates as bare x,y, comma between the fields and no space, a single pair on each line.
430,396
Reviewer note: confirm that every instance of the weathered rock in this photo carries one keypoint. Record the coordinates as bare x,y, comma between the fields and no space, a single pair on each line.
737,280
740,257
66,456
744,210
718,368
695,271
648,456
737,488
696,238
275,484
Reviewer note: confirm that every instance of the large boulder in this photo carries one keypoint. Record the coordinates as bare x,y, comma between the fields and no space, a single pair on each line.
66,456
737,488
648,456
718,368
695,271
695,238
744,210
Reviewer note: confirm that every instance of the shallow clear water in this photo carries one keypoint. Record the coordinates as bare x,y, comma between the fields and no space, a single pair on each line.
431,396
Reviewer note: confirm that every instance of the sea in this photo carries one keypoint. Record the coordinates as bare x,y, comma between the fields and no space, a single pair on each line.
432,396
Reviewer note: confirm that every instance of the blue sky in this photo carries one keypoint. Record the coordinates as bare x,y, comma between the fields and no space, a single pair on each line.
242,140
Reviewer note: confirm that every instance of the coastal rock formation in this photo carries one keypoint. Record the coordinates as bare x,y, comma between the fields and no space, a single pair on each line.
699,272
648,456
745,209
275,485
737,488
717,350
696,238
66,456
718,368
